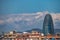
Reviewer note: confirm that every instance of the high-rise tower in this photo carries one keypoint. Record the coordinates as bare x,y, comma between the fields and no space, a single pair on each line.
48,27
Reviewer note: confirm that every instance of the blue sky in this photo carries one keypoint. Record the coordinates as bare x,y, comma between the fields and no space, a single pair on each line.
29,6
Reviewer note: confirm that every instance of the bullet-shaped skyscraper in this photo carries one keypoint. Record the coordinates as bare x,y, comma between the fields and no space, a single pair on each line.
48,27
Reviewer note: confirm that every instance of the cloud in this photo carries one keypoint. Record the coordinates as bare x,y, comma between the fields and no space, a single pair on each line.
28,17
39,14
1,21
18,17
56,16
28,21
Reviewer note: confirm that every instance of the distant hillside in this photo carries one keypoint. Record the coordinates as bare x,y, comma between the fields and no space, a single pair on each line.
39,30
36,29
57,30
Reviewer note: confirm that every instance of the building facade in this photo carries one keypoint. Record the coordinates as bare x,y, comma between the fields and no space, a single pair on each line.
48,27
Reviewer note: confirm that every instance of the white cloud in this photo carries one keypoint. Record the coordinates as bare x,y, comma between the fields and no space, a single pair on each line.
10,20
38,15
1,21
26,17
30,18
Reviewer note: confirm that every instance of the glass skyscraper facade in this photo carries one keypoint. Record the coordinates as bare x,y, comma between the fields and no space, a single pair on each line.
48,27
